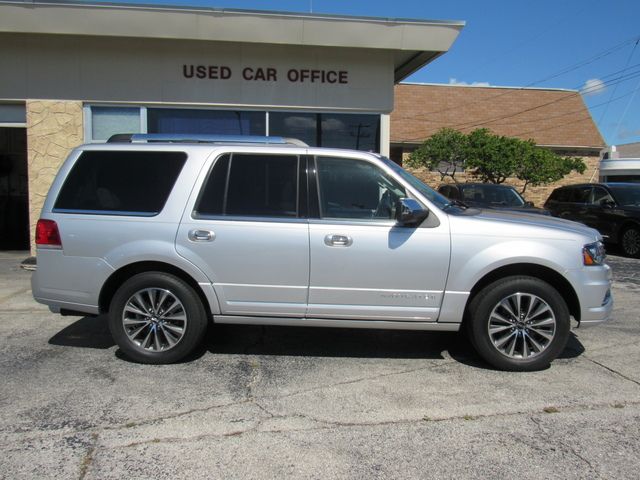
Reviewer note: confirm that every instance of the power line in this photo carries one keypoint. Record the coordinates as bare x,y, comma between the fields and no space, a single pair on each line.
626,109
586,117
540,32
564,71
616,88
613,81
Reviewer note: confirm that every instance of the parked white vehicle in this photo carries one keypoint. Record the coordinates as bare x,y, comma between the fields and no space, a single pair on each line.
167,234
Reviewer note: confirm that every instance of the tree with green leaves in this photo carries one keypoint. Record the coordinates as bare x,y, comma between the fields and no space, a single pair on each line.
541,167
445,152
492,158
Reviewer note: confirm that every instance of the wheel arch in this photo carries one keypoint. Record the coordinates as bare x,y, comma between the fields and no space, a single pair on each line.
122,274
552,277
628,223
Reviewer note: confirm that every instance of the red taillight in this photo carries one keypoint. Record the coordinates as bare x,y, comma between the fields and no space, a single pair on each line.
47,234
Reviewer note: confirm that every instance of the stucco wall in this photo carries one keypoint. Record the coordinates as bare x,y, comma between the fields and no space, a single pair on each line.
537,195
54,128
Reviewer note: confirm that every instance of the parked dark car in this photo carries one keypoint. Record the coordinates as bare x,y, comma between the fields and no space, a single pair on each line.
489,195
611,208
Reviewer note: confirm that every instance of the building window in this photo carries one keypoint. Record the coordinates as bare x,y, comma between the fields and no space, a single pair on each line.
353,131
334,130
217,122
107,121
303,126
12,115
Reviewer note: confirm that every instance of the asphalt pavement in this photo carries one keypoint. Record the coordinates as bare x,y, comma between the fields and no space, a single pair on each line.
275,402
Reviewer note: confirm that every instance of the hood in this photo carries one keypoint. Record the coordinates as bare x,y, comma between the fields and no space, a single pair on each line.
538,210
520,224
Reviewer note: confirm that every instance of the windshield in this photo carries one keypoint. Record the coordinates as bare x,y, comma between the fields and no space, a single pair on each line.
626,195
440,200
491,195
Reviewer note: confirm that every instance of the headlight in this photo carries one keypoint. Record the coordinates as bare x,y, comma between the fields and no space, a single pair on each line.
593,254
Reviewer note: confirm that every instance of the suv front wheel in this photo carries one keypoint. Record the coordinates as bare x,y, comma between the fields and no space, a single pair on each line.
157,318
519,323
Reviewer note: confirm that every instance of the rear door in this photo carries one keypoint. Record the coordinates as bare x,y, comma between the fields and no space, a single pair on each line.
363,265
246,228
603,212
575,205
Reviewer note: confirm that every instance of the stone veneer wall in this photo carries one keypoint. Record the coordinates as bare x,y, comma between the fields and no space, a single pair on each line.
537,195
54,128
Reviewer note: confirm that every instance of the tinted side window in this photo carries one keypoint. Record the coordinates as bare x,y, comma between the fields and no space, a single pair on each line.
600,195
251,185
120,182
560,195
211,201
356,189
580,195
444,190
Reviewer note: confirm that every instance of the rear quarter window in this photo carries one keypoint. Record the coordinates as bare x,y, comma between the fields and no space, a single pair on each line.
560,195
120,183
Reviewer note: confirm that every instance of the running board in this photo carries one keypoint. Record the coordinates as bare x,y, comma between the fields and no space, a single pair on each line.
321,322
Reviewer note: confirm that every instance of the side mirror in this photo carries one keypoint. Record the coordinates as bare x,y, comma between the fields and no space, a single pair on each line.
409,212
606,203
528,204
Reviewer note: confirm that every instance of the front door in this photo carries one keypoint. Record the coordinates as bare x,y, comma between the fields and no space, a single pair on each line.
363,265
248,232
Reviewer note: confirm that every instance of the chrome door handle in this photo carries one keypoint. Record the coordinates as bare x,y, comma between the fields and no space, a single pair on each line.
333,240
201,235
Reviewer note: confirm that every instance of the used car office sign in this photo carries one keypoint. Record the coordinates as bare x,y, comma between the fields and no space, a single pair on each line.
266,74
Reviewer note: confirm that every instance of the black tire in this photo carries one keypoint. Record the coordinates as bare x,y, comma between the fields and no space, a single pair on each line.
630,241
487,307
173,343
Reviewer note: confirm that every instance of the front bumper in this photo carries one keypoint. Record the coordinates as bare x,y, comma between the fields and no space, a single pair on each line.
593,287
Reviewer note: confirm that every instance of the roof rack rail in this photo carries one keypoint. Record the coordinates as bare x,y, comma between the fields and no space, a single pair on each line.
202,138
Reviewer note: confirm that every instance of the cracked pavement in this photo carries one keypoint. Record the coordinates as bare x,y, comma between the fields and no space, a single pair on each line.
274,402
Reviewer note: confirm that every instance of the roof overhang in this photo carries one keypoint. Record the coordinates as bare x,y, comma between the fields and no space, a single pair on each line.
413,43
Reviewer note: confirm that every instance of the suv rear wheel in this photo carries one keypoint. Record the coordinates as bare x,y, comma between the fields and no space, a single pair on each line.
157,318
519,323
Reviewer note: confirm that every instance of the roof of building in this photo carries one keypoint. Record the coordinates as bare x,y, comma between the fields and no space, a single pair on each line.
629,150
551,117
412,43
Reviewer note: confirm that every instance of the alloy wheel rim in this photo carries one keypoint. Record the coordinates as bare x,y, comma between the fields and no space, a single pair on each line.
521,326
631,241
154,319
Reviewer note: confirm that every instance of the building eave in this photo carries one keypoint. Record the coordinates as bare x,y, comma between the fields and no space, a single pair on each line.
412,43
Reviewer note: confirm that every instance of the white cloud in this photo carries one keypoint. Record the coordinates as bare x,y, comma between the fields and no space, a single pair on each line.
593,86
333,124
455,81
300,122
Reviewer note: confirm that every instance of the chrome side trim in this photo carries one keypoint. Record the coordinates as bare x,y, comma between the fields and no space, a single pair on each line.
319,322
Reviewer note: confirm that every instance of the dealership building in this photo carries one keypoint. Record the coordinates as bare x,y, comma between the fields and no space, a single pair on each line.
76,73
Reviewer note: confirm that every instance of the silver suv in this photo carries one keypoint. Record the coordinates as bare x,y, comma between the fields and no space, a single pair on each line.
168,234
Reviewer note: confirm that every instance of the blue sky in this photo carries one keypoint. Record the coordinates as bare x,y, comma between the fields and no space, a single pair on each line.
582,44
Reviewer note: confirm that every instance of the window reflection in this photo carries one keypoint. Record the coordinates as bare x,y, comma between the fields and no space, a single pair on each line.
217,122
333,130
